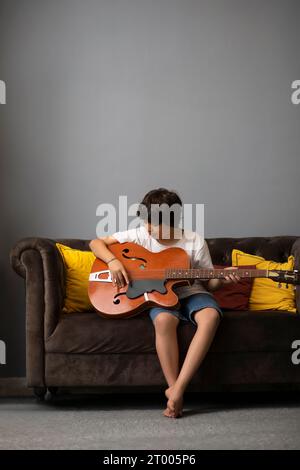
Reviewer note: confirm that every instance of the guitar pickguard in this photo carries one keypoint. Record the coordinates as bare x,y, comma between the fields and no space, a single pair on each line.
139,287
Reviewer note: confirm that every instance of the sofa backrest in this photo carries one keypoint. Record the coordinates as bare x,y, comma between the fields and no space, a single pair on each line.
275,248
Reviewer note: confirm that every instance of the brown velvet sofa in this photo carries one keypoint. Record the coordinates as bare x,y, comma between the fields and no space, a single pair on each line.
85,350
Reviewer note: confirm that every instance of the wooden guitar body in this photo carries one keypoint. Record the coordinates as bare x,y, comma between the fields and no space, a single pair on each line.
148,286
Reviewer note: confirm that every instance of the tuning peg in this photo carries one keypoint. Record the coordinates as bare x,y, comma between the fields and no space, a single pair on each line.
279,285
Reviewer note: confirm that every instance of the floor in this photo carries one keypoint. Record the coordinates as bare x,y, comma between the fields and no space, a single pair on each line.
130,421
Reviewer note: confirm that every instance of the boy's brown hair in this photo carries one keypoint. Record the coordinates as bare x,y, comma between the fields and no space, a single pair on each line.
160,196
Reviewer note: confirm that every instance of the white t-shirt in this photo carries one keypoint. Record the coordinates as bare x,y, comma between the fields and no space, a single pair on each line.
194,244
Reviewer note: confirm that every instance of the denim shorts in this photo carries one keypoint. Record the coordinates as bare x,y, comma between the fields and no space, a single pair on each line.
188,306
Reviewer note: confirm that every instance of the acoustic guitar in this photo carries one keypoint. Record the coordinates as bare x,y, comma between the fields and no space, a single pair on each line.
152,277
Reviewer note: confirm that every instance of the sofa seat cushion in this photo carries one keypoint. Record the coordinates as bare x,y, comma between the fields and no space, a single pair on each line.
88,333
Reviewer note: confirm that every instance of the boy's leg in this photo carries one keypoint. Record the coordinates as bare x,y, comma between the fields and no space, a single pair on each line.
166,343
207,320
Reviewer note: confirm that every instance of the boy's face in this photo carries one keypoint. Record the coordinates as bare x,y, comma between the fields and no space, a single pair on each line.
158,231
161,231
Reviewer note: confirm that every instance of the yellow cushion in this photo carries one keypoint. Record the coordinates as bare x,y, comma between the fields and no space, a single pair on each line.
77,269
265,293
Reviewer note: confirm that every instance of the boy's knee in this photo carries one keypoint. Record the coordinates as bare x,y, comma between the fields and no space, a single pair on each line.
164,320
207,315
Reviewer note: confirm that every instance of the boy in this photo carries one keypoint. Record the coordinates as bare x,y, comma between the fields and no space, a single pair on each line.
197,304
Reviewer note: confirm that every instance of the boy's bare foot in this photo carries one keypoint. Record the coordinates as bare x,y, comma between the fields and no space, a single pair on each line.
174,404
168,413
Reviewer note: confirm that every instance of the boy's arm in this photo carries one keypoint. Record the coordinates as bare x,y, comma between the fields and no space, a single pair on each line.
214,284
100,250
206,262
99,247
203,260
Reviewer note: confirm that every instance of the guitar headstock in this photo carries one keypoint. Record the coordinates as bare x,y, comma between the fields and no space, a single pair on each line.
286,277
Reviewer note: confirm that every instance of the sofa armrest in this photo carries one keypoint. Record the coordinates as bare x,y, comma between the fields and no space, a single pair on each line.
295,251
37,260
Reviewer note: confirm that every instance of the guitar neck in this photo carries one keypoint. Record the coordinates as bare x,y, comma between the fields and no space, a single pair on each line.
213,273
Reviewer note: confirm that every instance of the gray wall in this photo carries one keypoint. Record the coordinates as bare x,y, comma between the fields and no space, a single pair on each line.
114,97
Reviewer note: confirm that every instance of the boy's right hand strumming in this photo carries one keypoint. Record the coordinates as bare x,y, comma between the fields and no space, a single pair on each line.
100,250
118,273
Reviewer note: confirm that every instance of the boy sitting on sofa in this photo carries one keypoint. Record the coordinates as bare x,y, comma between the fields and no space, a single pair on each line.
197,303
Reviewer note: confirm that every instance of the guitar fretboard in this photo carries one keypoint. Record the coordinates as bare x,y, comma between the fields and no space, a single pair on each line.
213,273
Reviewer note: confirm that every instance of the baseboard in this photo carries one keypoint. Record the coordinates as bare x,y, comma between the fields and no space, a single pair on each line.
17,387
14,387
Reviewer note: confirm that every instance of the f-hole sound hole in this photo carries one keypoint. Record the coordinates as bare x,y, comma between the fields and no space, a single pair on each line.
133,258
116,300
